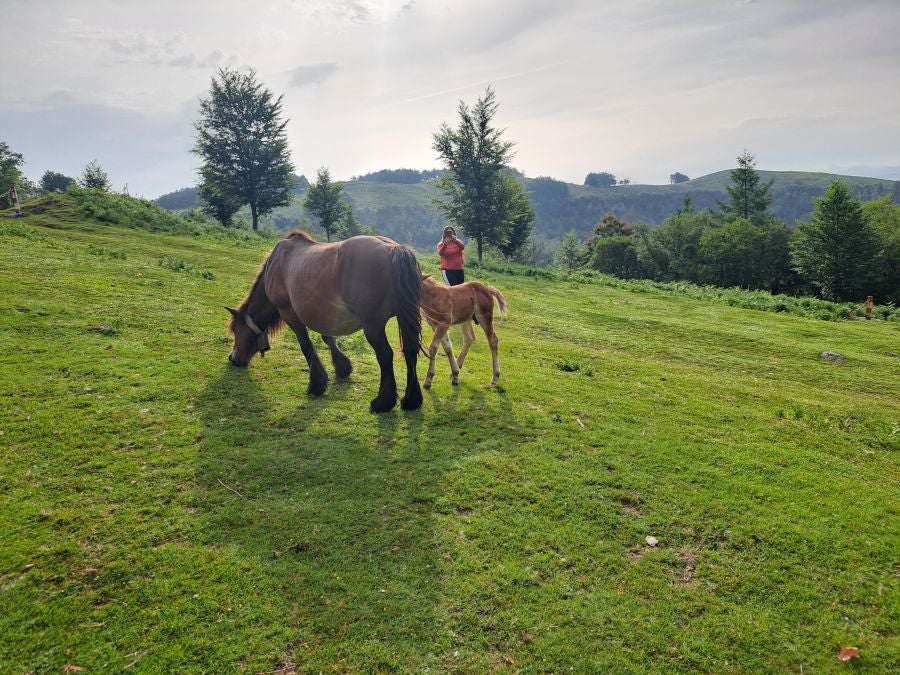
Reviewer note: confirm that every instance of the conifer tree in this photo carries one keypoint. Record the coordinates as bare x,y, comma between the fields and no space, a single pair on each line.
748,196
478,194
835,249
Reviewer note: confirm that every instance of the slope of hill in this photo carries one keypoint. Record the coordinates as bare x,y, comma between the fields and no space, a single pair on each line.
403,211
164,512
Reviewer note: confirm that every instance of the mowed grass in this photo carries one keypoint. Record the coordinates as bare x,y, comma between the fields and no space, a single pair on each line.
161,511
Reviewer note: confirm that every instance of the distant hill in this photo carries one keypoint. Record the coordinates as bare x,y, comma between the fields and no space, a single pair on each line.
402,210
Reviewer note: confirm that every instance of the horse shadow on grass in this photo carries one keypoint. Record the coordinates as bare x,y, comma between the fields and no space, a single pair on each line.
336,509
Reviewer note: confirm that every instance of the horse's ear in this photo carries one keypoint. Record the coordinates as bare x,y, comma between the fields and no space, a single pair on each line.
234,312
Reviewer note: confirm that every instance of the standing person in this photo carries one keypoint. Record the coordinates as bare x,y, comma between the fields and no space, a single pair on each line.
451,252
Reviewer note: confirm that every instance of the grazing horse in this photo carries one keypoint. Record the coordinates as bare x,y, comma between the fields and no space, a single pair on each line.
445,306
336,289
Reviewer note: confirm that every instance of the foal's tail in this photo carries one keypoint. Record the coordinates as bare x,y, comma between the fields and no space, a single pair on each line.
407,282
501,301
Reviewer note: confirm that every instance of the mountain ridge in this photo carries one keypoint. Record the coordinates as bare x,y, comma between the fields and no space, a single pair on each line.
403,210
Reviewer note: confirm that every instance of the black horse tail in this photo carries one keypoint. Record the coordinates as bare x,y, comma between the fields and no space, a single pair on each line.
407,281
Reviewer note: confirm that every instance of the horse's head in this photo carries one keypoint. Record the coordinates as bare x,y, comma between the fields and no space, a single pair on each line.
249,339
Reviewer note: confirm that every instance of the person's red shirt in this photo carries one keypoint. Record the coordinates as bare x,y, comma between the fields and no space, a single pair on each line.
451,255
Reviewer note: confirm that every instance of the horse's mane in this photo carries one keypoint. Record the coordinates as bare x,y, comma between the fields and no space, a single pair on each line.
275,325
300,234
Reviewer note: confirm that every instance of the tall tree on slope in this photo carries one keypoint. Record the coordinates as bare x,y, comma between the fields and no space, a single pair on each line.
241,139
748,197
477,194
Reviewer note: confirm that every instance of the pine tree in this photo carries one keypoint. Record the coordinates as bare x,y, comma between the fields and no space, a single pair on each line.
242,141
835,249
324,201
569,254
476,192
748,197
93,176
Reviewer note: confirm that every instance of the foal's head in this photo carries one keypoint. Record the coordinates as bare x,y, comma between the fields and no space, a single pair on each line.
249,338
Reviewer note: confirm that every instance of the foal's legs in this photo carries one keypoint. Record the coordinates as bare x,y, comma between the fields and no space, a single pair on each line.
493,341
342,365
387,389
318,378
440,337
468,339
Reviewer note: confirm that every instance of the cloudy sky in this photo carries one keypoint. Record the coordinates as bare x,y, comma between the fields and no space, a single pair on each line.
638,88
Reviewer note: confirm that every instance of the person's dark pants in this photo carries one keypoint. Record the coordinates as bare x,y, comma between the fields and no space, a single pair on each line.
453,277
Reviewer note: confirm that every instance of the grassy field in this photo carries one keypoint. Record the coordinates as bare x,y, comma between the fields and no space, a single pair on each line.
161,511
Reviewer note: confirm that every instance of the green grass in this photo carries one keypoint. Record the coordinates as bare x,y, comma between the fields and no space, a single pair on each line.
161,511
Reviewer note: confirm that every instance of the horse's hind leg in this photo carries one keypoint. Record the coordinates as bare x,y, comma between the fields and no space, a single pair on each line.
318,378
448,350
493,341
387,389
342,365
468,340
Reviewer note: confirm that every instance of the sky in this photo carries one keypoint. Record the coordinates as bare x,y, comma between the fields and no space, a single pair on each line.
639,88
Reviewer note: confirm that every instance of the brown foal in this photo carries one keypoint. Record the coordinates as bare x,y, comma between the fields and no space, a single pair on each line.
444,306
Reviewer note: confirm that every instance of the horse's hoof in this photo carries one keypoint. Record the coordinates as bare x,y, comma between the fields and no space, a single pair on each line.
379,406
426,385
411,402
455,382
317,388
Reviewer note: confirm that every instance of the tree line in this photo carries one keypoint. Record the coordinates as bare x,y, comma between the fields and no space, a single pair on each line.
242,143
92,176
845,251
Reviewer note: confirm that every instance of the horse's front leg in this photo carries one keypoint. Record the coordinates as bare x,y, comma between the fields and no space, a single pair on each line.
342,365
387,389
318,378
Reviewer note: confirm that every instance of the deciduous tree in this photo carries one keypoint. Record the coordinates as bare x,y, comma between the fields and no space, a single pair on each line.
10,173
242,141
600,179
55,182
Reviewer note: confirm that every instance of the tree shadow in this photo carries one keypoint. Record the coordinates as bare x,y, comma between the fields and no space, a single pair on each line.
336,508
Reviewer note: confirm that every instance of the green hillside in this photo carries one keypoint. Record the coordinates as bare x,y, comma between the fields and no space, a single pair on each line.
404,211
161,511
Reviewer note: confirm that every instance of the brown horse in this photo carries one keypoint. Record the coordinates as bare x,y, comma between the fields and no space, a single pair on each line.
448,306
336,289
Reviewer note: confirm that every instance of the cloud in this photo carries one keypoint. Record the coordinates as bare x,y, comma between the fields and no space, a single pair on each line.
312,73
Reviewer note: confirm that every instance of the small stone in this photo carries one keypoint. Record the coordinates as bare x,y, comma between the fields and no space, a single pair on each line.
831,356
651,541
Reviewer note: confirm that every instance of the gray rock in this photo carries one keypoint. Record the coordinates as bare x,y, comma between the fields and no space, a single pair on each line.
831,356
